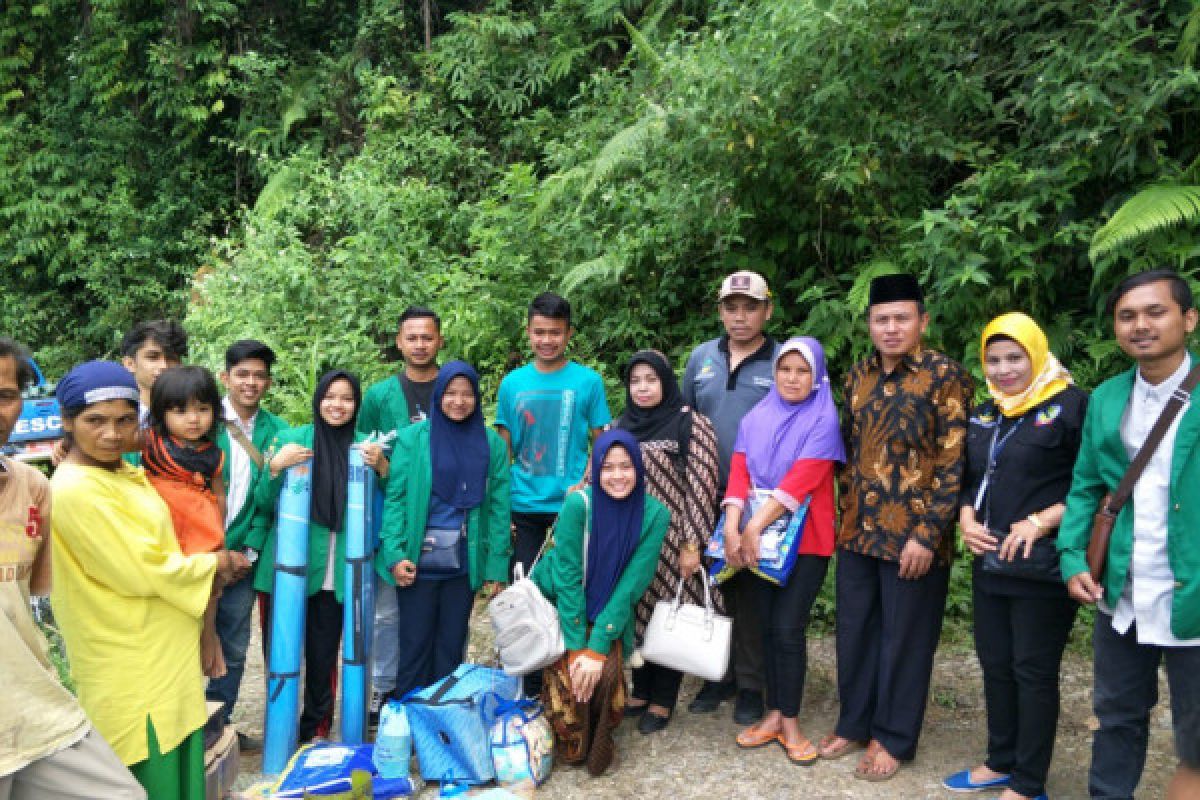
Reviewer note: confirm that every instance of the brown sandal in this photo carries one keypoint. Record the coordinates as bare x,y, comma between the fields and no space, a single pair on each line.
824,748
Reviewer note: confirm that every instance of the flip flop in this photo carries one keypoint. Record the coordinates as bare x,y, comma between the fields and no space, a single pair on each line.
875,777
851,746
753,738
802,754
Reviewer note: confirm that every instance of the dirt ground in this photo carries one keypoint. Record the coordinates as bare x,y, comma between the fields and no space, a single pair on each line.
696,756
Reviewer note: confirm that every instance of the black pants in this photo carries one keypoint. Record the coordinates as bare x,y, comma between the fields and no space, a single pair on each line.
887,632
529,532
432,640
657,685
1124,693
741,599
1019,641
322,640
784,612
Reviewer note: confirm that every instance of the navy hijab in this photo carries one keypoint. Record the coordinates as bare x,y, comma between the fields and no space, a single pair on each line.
616,525
331,454
459,451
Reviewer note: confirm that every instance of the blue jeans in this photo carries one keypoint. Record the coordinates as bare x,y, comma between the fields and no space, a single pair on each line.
384,654
1126,690
234,611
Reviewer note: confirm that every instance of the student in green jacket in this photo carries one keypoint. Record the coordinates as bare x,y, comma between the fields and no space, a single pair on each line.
326,440
606,547
1148,600
393,404
445,527
247,377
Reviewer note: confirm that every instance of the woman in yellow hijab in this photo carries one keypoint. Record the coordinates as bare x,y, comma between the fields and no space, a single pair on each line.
1021,448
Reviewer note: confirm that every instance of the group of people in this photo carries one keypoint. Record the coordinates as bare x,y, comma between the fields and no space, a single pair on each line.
163,536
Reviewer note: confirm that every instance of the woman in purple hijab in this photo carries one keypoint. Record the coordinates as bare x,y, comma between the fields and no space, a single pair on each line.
786,451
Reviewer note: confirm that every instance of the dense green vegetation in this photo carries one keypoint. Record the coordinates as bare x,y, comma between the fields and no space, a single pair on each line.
301,171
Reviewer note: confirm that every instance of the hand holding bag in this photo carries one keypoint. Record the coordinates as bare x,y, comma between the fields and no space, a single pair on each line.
1041,565
687,637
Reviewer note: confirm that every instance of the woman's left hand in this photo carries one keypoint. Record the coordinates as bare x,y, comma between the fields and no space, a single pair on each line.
750,544
585,674
1021,536
374,458
689,562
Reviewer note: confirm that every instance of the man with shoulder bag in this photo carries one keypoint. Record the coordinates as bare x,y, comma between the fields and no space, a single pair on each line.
1128,538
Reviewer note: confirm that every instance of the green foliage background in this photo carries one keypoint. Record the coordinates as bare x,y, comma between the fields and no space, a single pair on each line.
300,172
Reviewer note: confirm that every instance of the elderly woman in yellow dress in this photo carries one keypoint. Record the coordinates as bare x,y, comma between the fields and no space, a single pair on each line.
129,603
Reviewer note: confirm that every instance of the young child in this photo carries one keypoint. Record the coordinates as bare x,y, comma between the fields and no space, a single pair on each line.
183,462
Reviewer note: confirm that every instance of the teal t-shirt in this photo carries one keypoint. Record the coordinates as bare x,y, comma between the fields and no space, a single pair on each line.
550,416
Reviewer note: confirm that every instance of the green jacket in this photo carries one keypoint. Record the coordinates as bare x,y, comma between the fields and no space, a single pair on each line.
262,528
1101,463
384,408
406,510
560,576
266,425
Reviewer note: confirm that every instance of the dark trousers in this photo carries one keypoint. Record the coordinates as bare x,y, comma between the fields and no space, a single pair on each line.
432,640
1019,641
784,612
741,600
322,641
529,532
657,685
887,632
1125,692
235,609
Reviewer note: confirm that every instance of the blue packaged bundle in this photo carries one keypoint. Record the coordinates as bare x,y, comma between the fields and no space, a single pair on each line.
327,770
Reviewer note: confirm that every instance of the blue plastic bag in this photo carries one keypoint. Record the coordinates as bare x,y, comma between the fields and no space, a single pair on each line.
776,568
522,744
451,721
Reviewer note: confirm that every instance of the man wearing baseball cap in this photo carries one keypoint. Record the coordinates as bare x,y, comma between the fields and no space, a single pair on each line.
725,378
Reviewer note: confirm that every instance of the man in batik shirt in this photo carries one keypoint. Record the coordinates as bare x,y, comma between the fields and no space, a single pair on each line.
905,424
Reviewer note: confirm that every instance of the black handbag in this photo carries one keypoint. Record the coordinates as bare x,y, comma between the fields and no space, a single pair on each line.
1042,564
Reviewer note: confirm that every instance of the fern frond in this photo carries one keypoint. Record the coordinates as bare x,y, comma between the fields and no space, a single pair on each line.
1189,40
641,43
1153,209
278,192
607,268
624,146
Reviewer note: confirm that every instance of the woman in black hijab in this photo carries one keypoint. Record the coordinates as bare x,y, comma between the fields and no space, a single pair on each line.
326,440
679,450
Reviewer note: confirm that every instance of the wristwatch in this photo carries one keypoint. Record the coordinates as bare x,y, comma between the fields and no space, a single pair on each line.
251,554
1037,522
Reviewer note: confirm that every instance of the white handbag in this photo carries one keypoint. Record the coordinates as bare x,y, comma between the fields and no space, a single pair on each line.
689,638
528,633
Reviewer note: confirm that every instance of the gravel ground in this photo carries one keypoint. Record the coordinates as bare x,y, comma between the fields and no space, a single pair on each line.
696,756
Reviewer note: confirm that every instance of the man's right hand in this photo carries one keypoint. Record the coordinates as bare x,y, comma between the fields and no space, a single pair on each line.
404,573
1083,589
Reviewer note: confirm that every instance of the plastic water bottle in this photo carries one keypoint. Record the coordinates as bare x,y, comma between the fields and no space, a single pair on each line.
393,742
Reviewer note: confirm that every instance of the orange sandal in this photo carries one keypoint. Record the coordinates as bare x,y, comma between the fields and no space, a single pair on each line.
802,753
753,738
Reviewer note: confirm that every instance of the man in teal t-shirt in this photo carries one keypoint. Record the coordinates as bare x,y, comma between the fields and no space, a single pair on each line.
548,411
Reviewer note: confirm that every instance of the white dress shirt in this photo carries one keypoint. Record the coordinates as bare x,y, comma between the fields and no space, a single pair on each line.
240,471
1150,586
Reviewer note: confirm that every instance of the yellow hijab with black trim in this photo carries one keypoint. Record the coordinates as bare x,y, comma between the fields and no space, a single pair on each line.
1049,376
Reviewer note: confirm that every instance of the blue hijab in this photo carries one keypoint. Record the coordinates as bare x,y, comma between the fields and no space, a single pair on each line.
616,525
459,451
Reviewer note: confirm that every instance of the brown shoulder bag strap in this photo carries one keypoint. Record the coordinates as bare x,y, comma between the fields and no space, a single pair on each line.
239,436
1171,410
